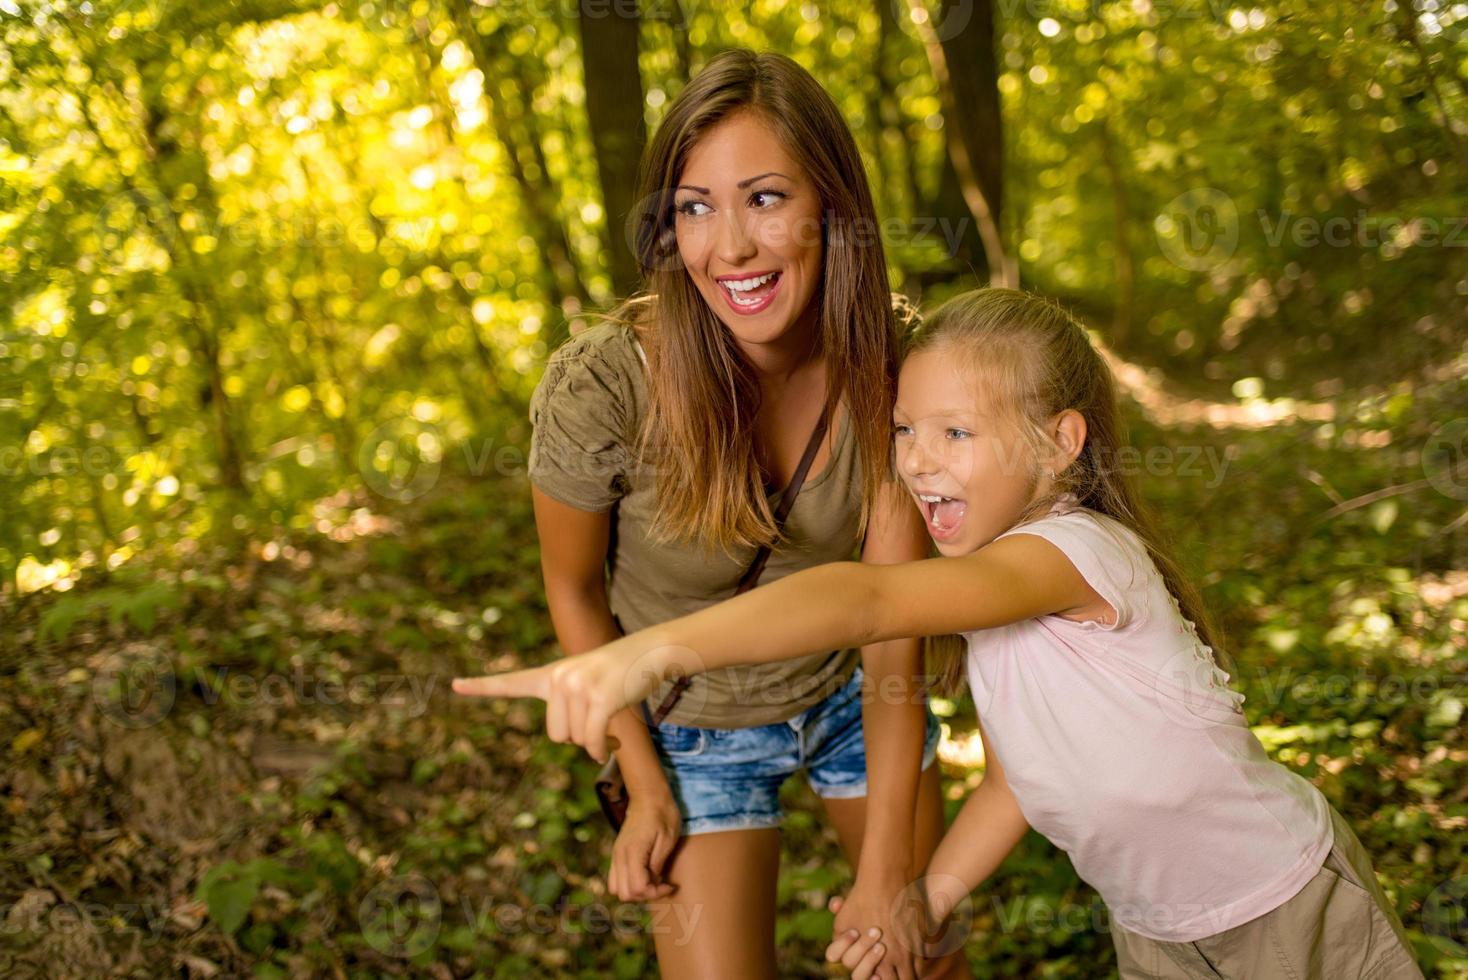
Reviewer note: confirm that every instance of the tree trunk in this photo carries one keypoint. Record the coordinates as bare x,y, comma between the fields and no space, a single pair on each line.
960,50
560,282
614,101
1126,276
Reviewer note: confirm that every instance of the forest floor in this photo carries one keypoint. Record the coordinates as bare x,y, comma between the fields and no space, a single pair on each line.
242,758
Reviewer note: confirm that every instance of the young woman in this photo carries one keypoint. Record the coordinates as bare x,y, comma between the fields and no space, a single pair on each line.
1108,725
660,440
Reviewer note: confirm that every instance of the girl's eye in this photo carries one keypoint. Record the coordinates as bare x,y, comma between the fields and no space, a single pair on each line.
901,430
770,197
691,208
957,434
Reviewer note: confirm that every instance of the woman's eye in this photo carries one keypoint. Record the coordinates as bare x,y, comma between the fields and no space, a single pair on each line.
691,208
901,430
764,199
957,434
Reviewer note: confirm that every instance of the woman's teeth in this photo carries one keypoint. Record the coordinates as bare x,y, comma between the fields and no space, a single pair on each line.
737,286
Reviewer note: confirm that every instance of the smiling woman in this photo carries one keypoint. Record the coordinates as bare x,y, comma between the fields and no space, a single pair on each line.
659,439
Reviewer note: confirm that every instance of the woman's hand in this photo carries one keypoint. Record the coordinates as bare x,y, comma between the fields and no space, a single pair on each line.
583,692
642,847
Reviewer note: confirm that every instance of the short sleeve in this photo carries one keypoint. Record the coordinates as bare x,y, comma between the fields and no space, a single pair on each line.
579,418
1109,557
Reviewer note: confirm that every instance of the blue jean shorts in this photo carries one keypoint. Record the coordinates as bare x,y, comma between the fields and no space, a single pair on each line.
729,778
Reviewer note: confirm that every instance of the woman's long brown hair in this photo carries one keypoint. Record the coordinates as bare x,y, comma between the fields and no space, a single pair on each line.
1033,360
703,394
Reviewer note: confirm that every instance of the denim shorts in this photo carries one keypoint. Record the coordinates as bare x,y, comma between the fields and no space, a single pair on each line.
729,778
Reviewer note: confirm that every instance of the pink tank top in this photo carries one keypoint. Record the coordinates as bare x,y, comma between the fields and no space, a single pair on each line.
1125,747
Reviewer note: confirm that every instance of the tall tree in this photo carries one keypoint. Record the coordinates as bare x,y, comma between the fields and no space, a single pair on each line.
614,101
960,50
514,126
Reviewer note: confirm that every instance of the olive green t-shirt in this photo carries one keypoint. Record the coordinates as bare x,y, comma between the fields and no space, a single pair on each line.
587,415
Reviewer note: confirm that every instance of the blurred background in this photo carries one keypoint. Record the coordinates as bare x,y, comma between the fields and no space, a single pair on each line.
277,279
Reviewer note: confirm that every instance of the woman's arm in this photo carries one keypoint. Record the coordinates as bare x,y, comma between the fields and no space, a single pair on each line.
842,604
573,552
893,726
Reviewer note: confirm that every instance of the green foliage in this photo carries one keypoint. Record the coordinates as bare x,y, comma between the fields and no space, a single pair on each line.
277,280
135,603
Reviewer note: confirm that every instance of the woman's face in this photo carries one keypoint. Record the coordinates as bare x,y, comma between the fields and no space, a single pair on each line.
748,222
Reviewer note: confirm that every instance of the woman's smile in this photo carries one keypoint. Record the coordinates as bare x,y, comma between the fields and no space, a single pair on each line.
750,294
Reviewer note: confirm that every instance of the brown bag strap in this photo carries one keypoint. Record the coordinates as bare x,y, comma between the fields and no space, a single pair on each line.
757,567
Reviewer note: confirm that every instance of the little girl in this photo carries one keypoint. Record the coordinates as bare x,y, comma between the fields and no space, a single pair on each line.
1107,724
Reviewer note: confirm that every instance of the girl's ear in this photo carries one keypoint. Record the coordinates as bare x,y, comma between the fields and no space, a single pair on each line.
1068,430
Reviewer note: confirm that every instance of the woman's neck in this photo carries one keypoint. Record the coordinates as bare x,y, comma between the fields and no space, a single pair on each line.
778,362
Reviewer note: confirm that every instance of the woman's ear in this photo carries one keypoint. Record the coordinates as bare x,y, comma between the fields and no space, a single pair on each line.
1068,430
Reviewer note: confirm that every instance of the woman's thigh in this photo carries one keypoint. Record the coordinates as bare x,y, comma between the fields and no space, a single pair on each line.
720,922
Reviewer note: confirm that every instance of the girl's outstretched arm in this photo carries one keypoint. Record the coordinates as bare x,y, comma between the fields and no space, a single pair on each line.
831,607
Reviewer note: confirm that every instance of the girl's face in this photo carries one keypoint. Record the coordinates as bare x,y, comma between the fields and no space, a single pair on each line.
970,473
748,223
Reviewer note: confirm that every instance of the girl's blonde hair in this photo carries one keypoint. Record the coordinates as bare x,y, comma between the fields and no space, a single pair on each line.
1032,360
703,395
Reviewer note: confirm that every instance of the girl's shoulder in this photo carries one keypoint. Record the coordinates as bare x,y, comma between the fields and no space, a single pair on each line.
1110,556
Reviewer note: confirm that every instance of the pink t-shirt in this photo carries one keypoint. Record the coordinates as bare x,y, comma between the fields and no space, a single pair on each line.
1125,747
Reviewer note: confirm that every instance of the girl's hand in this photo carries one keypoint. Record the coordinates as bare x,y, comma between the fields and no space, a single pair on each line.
871,911
642,848
918,927
861,953
583,692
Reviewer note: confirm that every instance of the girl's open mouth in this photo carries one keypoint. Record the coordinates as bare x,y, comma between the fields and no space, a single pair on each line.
942,514
750,294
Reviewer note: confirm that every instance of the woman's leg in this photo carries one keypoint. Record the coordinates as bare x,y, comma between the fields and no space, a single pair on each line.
849,818
720,923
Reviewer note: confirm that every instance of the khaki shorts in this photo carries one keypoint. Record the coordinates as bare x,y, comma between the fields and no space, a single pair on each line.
1339,927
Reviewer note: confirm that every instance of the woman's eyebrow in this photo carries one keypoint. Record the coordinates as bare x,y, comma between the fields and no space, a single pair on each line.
749,180
741,185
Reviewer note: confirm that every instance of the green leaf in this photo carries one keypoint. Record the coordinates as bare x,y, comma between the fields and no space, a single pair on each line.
229,890
57,621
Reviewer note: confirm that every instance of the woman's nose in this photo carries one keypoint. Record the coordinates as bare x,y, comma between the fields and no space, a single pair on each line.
736,243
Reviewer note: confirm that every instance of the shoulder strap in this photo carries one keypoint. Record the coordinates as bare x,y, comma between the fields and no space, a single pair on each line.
787,500
757,567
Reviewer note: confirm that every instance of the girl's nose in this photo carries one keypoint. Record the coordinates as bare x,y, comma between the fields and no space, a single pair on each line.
916,461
